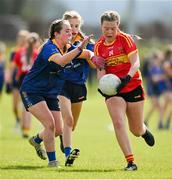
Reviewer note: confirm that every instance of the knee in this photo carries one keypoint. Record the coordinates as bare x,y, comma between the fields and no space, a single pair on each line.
118,123
50,126
137,131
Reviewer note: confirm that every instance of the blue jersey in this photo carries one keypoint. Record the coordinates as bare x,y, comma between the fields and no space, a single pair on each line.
160,85
170,77
45,76
78,69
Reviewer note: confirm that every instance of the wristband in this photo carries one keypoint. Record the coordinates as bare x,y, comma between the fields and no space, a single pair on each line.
127,78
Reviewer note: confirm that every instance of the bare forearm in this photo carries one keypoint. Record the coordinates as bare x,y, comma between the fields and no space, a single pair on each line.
65,59
135,64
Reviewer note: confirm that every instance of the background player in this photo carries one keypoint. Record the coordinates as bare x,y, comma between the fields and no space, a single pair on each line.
2,65
156,86
21,42
167,65
23,61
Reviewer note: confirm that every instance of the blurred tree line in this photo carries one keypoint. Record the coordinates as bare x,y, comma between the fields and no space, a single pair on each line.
36,15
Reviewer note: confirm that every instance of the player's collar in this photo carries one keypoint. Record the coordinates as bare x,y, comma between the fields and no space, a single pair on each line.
78,37
109,44
60,49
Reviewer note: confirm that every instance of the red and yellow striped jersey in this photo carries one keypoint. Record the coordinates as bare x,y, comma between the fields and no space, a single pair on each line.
117,55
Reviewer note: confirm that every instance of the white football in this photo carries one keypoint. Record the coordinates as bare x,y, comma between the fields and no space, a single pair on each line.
108,84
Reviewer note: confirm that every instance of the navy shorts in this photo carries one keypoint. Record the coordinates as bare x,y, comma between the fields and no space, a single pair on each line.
133,96
32,99
156,89
74,92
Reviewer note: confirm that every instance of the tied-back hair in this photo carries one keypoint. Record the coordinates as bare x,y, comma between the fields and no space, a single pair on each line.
110,16
56,26
32,39
73,14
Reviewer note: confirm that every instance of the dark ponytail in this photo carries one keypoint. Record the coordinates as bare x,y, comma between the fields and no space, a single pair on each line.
32,39
56,26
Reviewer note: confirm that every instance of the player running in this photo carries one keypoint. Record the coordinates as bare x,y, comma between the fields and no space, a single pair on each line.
122,59
43,83
74,91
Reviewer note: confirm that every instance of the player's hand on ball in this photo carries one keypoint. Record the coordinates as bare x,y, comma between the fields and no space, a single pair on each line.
104,95
124,81
108,84
99,62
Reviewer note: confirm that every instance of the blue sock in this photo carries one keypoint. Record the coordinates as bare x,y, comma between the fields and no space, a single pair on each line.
51,156
37,139
67,151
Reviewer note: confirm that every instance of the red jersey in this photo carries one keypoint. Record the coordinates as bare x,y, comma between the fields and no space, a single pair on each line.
116,55
20,60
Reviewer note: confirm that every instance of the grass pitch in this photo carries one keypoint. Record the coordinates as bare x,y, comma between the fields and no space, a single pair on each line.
100,157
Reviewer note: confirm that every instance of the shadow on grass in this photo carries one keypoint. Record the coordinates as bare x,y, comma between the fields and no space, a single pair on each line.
21,167
61,169
87,170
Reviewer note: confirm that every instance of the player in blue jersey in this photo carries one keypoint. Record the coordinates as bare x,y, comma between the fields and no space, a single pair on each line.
74,91
44,82
167,65
156,86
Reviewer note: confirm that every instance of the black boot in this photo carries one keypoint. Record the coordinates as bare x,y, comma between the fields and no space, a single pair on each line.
148,137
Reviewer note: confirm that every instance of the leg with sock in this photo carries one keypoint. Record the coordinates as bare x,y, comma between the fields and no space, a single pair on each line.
67,151
35,141
71,157
131,166
52,159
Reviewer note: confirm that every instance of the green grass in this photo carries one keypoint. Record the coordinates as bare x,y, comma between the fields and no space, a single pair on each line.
100,156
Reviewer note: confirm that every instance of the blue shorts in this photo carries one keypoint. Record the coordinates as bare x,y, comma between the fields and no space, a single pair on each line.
156,89
32,99
74,92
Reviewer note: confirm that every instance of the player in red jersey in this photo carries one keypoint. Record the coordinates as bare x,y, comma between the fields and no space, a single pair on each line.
122,59
23,60
21,41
